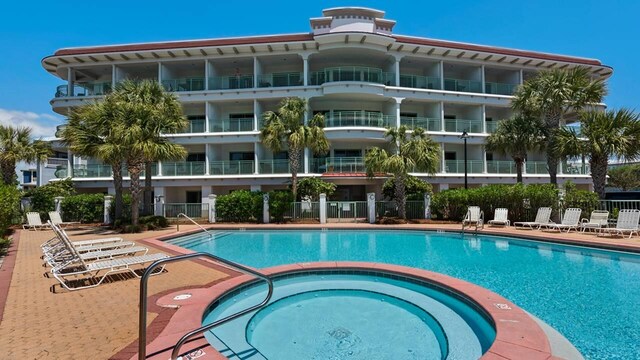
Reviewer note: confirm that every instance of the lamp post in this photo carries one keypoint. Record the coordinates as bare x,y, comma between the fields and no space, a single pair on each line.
464,137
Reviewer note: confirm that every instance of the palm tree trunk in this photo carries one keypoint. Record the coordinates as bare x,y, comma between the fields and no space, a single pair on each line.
148,199
116,170
552,121
401,196
599,174
294,163
519,164
8,172
134,174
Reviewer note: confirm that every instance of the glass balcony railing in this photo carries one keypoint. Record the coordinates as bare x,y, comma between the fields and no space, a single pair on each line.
280,79
491,126
92,171
576,169
183,168
231,125
457,166
339,165
352,73
460,125
501,167
231,82
420,82
499,88
274,167
84,89
184,84
429,124
463,85
231,167
196,125
358,118
536,167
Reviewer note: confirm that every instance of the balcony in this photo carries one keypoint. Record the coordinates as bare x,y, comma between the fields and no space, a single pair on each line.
183,168
274,167
420,82
457,166
460,125
184,84
280,80
339,165
429,124
491,126
53,162
576,169
499,88
359,118
463,85
232,125
196,125
231,82
536,167
85,89
352,73
501,167
92,171
241,167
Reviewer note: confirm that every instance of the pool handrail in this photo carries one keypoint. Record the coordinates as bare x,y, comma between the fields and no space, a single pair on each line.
193,221
142,330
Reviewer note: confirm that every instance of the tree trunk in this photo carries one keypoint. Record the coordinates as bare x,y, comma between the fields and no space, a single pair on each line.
519,164
148,199
401,196
599,174
116,170
8,172
552,122
294,163
134,174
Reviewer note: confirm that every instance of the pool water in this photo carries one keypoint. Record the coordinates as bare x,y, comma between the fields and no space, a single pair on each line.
591,296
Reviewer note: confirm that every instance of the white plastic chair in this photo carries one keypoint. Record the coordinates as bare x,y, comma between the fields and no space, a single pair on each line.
598,220
474,216
500,217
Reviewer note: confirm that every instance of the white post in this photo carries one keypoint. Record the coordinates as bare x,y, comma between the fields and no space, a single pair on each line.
159,208
58,204
107,206
212,208
427,206
266,217
323,208
371,206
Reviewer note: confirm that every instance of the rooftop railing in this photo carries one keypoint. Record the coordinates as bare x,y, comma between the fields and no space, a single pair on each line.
339,165
352,73
280,79
463,85
184,84
230,82
429,124
420,82
231,125
240,167
358,118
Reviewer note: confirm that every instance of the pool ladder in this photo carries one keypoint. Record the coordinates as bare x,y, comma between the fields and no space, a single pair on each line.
142,319
193,221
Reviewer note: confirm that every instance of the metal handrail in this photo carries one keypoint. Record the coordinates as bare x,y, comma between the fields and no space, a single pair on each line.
142,331
193,221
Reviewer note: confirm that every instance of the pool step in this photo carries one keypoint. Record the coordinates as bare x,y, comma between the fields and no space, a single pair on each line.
198,239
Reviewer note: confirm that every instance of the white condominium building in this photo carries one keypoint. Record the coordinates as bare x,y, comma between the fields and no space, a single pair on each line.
351,67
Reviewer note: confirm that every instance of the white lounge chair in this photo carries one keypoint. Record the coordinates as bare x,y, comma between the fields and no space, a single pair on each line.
34,222
474,216
627,223
570,220
500,217
543,217
598,220
56,219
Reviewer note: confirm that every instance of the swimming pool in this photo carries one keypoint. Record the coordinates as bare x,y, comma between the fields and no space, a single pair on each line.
591,296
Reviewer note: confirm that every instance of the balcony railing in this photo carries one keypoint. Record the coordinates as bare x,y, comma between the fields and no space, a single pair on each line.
231,82
420,82
460,125
195,126
536,167
501,167
184,84
358,118
339,165
92,171
84,89
463,85
231,167
280,79
576,169
231,125
274,167
457,166
352,73
491,126
499,88
183,168
429,124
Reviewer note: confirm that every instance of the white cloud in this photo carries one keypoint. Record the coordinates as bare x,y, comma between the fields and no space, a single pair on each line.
42,125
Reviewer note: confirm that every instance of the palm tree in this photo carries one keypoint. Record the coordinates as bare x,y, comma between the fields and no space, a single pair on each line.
16,145
147,112
603,134
91,131
287,126
552,95
411,152
516,137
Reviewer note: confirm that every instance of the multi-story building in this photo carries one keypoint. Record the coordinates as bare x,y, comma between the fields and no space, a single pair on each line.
351,67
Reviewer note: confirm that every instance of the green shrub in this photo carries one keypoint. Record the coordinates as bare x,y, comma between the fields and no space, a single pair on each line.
42,197
4,245
279,203
583,199
521,200
86,208
153,222
312,187
239,206
9,207
414,188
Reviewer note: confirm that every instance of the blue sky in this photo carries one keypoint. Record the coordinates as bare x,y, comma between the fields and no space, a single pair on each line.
31,30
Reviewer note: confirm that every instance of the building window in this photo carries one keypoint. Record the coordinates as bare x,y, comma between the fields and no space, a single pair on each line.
241,156
450,155
196,157
341,153
281,155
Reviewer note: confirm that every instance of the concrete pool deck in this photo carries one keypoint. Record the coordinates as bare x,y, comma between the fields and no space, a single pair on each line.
102,322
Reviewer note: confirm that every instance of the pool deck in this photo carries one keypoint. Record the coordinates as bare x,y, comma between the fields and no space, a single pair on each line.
101,322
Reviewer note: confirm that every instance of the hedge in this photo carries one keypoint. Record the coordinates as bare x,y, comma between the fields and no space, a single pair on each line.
86,208
239,206
9,207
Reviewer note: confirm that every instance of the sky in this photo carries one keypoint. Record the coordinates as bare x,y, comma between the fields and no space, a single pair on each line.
31,30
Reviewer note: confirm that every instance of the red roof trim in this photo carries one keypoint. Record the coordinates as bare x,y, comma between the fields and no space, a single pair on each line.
496,50
185,44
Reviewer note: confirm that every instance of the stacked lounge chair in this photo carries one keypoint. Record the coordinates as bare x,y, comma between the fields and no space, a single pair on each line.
543,217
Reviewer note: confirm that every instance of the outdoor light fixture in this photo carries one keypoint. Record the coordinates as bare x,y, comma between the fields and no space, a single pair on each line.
464,137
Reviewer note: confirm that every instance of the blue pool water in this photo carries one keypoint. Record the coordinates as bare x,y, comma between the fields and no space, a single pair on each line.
591,296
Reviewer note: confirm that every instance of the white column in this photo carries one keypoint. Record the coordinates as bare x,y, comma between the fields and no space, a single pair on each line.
442,116
114,76
212,208
107,206
206,191
257,71
398,102
482,79
307,151
266,217
442,162
323,208
521,80
371,207
305,69
160,73
159,167
70,81
397,70
257,155
159,196
207,160
484,118
57,201
207,111
69,163
206,76
256,115
427,206
441,75
484,161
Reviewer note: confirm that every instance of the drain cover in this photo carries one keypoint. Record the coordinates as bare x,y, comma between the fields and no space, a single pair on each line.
182,297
